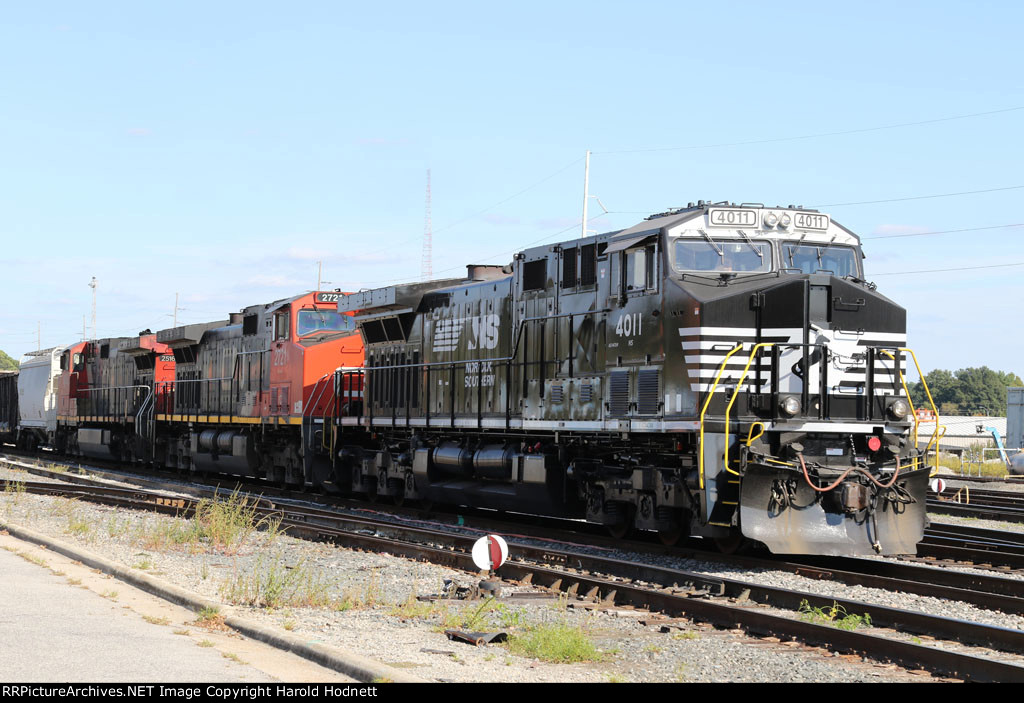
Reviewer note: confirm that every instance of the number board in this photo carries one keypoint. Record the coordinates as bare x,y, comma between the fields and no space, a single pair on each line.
732,217
807,220
328,297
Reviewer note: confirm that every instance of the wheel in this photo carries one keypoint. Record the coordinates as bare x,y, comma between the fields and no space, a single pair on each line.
733,544
671,537
619,529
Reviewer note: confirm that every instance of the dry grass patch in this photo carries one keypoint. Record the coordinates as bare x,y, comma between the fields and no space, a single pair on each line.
273,584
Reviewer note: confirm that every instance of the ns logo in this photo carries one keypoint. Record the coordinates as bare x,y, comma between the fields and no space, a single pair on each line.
483,333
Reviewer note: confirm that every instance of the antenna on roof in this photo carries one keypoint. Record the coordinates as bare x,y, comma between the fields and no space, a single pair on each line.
92,284
587,196
427,260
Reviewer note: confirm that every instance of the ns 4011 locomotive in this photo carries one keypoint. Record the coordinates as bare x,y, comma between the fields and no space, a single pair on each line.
720,370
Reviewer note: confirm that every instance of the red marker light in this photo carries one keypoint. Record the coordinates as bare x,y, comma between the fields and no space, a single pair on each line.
874,444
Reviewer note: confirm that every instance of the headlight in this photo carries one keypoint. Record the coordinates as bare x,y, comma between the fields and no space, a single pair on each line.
790,405
771,219
785,221
899,409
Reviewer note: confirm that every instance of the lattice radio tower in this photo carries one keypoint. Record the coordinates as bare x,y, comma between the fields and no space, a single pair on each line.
427,262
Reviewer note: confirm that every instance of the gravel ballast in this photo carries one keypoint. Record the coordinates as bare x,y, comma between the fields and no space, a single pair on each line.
366,602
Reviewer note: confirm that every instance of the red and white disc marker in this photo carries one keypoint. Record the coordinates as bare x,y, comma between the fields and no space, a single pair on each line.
490,552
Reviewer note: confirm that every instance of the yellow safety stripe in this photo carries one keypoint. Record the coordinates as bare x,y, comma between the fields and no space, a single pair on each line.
200,419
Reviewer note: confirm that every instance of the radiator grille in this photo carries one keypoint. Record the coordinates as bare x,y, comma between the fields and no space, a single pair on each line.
619,393
648,384
556,393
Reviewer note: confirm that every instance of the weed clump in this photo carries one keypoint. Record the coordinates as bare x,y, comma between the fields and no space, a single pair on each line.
272,584
556,642
834,615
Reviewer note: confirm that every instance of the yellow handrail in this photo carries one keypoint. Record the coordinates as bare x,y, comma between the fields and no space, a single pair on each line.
736,392
704,409
935,411
751,436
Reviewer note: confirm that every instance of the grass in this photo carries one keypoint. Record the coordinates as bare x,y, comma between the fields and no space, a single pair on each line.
204,643
413,608
116,528
558,642
15,490
369,596
38,561
471,618
217,524
272,584
77,523
233,657
834,615
152,620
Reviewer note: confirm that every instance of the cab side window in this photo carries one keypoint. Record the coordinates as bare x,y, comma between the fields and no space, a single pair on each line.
640,269
281,325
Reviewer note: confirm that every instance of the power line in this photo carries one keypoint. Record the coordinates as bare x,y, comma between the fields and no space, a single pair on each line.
921,197
814,135
528,188
944,231
510,251
869,202
958,268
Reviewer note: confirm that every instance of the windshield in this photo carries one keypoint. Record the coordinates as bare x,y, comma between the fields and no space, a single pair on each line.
311,321
722,255
841,261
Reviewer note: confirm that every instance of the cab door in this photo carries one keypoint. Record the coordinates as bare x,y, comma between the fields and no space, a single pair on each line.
280,362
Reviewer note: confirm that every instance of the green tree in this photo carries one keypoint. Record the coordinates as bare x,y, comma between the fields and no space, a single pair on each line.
966,391
7,363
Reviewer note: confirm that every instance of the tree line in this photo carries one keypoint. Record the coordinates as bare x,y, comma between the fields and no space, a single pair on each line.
973,391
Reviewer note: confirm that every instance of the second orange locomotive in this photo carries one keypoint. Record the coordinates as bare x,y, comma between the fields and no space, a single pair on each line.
237,396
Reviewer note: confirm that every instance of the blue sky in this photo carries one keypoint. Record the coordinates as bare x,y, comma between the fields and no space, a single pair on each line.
219,150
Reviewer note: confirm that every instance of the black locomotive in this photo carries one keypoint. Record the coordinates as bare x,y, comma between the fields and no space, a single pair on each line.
719,370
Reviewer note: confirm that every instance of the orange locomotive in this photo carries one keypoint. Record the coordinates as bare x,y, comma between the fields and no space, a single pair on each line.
105,399
246,396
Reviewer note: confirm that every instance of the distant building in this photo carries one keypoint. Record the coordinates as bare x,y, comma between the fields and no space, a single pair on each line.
962,431
1015,417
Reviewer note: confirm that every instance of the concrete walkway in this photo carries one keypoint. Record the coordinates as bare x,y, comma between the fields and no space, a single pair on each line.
61,621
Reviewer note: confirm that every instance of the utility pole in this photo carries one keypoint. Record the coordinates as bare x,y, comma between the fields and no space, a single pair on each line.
586,194
83,328
175,309
427,261
92,284
39,336
319,273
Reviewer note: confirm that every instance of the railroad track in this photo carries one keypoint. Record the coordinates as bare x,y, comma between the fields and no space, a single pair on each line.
756,608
